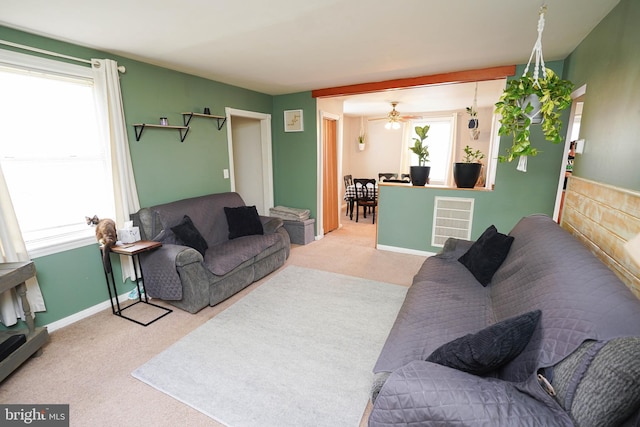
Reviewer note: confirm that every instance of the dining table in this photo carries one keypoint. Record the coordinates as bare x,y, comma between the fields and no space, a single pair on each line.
350,195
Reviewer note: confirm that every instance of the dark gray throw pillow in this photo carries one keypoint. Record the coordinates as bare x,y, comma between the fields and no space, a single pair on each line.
489,349
487,254
188,235
243,221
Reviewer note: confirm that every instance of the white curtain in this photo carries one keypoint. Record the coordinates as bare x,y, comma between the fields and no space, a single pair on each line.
13,249
113,127
405,153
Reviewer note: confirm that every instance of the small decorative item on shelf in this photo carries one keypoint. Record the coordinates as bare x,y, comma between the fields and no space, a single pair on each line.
207,111
164,121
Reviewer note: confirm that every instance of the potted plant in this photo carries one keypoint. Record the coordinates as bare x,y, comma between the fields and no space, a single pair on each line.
467,172
420,174
361,139
519,108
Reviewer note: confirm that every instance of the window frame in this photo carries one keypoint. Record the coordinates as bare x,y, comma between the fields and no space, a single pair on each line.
428,120
81,238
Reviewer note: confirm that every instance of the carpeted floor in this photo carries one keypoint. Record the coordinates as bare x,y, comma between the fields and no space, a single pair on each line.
299,347
88,364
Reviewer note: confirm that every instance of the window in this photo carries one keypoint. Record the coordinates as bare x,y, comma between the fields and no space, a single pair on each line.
55,163
439,140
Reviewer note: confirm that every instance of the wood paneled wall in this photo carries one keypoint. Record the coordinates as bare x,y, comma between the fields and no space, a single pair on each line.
604,218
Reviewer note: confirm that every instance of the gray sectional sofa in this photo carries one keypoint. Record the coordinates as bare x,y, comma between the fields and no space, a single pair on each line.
210,258
579,367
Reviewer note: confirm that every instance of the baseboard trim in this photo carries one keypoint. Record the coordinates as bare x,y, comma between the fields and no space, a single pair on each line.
84,313
404,250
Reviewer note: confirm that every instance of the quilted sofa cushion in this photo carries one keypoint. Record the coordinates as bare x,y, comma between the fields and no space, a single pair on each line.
224,257
427,394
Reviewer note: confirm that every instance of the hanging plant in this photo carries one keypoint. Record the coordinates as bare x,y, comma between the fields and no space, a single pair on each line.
517,106
532,99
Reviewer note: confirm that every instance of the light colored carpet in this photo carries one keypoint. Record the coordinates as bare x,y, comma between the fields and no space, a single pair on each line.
297,351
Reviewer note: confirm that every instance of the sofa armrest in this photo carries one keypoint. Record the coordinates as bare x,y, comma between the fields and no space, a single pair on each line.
270,224
455,248
425,393
159,267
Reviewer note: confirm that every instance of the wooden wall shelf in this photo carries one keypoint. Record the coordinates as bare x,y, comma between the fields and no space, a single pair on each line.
186,117
140,127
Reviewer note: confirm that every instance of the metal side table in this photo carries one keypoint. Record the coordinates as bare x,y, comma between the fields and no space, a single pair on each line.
133,250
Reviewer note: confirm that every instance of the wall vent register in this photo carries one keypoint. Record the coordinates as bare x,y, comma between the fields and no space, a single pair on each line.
452,217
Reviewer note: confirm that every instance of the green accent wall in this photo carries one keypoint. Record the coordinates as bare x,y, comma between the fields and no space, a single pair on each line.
608,62
295,154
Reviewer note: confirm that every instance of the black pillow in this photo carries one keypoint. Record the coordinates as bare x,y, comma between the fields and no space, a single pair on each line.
486,254
489,349
243,221
188,235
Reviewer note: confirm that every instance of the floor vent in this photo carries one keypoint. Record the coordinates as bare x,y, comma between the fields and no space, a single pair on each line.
452,217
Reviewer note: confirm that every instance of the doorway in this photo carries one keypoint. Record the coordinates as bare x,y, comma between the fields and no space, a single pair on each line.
571,139
250,166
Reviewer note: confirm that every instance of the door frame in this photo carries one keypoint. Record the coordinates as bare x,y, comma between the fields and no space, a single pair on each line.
575,95
265,143
338,118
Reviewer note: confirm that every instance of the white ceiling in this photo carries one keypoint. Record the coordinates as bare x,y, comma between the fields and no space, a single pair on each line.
286,46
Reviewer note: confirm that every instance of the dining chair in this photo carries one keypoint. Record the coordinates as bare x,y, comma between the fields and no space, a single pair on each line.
365,196
387,176
348,180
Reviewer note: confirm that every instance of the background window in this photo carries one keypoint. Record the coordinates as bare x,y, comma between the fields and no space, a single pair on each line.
439,140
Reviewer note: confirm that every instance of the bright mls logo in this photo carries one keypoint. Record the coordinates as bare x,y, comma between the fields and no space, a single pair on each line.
35,415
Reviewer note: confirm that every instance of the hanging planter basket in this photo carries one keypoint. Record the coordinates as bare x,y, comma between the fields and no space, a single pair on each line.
530,100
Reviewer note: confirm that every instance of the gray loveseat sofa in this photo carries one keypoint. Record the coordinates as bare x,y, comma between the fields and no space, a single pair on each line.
191,280
585,345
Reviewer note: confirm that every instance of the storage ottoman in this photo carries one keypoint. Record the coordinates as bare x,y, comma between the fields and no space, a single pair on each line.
300,232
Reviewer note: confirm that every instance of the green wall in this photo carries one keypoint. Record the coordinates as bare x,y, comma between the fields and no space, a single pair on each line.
295,154
608,62
165,169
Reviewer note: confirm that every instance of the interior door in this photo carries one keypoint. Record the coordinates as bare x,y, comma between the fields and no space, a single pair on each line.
248,161
330,175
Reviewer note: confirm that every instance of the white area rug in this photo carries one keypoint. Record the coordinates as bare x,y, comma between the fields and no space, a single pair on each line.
297,351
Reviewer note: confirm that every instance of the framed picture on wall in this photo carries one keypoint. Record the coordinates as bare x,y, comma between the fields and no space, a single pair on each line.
293,121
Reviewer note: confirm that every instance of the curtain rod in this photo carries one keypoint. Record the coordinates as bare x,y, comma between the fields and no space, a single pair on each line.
121,68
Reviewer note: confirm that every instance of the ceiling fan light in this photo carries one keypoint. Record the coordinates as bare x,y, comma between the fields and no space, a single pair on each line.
395,125
387,125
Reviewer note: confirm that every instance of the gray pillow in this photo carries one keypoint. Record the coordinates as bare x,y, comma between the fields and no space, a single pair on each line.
599,383
489,349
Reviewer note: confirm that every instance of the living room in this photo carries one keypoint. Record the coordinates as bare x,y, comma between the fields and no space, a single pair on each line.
606,61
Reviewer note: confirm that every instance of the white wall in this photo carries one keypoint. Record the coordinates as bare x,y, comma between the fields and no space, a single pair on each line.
381,153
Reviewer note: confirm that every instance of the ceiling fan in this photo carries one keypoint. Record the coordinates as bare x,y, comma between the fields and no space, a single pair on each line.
394,118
